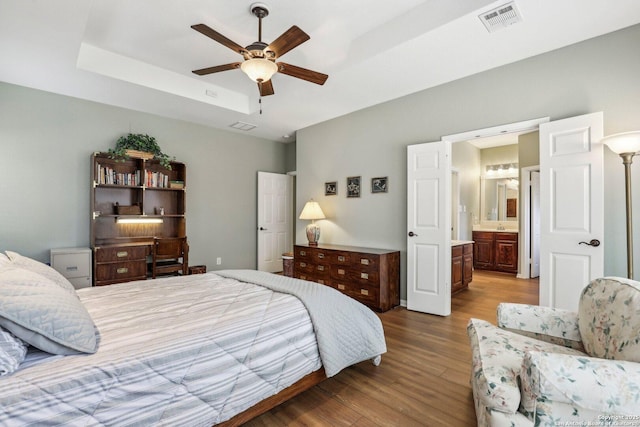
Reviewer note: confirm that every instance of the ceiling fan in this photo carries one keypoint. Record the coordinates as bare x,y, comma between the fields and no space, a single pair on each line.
260,58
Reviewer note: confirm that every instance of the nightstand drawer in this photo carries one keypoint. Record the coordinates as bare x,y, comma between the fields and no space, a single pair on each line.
72,265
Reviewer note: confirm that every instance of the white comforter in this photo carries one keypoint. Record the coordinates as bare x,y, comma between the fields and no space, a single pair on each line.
186,351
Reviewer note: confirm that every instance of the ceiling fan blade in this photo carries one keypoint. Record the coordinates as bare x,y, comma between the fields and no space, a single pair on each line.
291,38
302,73
216,69
266,88
213,34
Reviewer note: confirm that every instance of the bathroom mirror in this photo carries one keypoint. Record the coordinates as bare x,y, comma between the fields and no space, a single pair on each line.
499,199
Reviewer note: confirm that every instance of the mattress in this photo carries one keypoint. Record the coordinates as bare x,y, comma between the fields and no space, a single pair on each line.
193,350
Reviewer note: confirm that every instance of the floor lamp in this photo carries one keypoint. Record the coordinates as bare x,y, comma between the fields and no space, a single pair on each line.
626,145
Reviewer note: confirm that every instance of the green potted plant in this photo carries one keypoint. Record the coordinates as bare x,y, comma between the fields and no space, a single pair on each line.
139,146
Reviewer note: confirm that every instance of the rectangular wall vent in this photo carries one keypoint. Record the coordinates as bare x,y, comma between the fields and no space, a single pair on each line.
242,126
500,17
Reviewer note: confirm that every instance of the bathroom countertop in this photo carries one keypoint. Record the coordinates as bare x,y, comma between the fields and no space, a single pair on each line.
460,242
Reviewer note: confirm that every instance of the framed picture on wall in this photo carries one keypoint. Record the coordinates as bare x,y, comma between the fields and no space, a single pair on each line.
353,186
331,188
380,184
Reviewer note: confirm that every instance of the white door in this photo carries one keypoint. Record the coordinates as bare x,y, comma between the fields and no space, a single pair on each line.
535,224
274,220
428,228
571,186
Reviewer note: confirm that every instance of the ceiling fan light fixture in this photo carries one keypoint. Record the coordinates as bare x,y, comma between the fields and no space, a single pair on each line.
259,70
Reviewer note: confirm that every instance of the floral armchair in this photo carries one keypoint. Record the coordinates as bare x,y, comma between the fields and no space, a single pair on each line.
551,367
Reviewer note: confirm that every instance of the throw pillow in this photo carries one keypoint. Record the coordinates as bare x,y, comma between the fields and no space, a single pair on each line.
608,319
43,314
41,268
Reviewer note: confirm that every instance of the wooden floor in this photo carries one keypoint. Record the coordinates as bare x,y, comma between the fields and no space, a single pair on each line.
423,379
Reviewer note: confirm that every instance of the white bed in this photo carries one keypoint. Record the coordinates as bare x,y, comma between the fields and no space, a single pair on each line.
193,350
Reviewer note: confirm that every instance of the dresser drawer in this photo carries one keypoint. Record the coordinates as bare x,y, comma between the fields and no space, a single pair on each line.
122,253
124,271
339,258
304,267
364,276
364,261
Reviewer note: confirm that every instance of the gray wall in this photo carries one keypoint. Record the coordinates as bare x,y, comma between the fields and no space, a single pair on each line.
596,75
46,141
466,159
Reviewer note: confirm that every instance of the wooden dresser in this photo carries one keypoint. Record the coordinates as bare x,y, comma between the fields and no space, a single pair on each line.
371,276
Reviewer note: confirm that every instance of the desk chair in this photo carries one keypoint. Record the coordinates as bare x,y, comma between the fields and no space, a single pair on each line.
170,256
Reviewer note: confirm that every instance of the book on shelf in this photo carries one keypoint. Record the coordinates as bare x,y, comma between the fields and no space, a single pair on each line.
108,176
157,180
176,184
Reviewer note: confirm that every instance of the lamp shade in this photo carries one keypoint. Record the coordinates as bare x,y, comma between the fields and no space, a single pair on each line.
312,211
259,69
627,142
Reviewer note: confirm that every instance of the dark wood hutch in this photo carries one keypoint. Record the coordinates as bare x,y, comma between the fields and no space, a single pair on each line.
132,202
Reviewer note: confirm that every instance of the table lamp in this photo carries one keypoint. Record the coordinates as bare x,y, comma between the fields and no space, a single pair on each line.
312,211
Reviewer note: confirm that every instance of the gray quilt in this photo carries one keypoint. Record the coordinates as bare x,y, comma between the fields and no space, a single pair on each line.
347,331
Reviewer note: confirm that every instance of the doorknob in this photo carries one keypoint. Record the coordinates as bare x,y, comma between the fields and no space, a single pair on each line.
411,234
592,242
262,229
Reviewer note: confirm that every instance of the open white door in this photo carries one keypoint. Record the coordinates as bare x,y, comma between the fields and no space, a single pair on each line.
429,228
571,188
274,220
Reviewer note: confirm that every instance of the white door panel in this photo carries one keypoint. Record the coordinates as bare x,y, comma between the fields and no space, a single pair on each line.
429,228
274,220
571,189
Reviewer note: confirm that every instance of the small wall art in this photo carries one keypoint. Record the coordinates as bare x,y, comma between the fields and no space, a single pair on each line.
331,188
380,184
353,186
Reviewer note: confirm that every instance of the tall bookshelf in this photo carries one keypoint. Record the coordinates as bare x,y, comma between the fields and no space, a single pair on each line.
132,202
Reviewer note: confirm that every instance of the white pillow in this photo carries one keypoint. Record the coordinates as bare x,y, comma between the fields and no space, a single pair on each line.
41,268
4,259
12,352
40,312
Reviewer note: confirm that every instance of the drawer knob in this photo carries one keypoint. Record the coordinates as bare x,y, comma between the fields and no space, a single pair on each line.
122,270
122,254
321,268
341,287
72,268
321,282
364,261
321,255
364,291
303,253
341,271
341,258
303,264
364,276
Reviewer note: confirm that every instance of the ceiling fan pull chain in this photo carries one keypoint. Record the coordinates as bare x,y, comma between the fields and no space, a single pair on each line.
260,103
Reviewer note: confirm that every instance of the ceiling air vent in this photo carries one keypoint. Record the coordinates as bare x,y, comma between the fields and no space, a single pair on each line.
242,126
501,17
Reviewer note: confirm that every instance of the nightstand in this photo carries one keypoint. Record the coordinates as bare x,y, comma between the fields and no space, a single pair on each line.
74,264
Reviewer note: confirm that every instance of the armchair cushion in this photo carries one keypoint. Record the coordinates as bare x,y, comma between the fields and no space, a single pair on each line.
609,319
496,363
579,388
552,325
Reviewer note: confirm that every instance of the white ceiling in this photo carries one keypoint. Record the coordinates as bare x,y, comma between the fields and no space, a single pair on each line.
139,54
